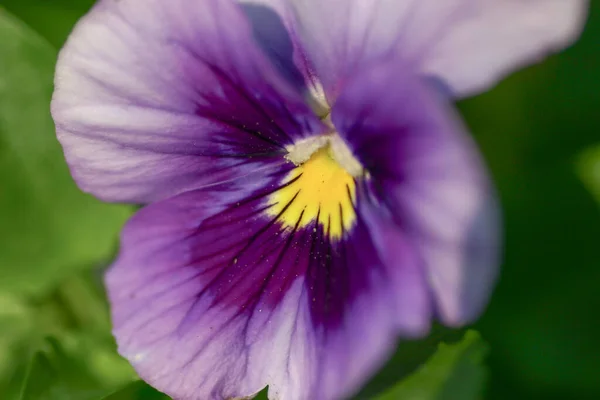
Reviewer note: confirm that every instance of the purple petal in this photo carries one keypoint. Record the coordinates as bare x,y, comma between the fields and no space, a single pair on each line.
470,44
275,29
428,173
154,98
486,40
213,300
271,25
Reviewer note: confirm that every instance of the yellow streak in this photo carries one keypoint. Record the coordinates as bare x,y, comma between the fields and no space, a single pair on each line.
322,189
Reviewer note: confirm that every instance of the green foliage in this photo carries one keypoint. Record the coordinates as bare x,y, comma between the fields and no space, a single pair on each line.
52,19
66,335
49,227
589,170
137,390
455,371
54,374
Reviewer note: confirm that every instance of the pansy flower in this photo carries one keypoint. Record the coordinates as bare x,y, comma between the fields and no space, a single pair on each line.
311,197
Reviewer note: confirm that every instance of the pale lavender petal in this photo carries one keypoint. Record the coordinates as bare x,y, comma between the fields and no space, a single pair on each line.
428,173
495,37
470,44
154,98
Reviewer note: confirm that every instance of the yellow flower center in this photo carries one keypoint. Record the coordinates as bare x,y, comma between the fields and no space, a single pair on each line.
319,189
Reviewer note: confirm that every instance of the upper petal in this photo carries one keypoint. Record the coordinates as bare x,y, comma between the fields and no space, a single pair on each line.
153,98
495,37
469,44
428,173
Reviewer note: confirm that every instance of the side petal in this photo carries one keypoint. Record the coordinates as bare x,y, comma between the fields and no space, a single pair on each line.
428,173
469,44
154,98
213,301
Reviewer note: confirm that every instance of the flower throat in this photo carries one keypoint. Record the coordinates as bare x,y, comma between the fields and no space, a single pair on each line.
318,189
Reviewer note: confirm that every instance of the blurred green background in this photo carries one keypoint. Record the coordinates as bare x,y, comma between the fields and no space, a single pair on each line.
539,339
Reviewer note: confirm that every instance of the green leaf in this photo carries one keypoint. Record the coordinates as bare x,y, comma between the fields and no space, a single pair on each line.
52,19
54,374
589,170
16,323
49,227
455,371
409,356
75,315
263,395
140,390
137,390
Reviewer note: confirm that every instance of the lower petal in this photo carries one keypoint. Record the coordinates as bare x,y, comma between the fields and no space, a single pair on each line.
214,300
468,44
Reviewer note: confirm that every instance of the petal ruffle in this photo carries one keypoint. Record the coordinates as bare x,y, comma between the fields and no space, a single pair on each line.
469,44
216,301
496,37
428,173
154,98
